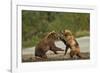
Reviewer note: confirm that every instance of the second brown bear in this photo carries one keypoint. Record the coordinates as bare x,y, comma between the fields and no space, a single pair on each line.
71,43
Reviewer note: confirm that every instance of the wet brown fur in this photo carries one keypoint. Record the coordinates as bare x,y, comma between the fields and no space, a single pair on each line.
72,44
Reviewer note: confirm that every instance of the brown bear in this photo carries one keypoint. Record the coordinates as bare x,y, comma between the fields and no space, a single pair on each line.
47,43
70,42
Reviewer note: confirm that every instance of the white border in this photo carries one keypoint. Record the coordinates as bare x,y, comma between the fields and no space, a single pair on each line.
18,66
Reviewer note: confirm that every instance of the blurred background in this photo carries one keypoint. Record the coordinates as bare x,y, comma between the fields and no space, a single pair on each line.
36,24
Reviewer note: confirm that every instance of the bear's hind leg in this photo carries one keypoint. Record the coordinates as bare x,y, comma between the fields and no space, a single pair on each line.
79,55
71,54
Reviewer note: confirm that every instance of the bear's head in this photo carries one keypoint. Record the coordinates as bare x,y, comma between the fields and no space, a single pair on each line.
67,33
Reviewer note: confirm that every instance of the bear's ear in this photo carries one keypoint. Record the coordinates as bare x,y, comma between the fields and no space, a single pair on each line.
65,31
